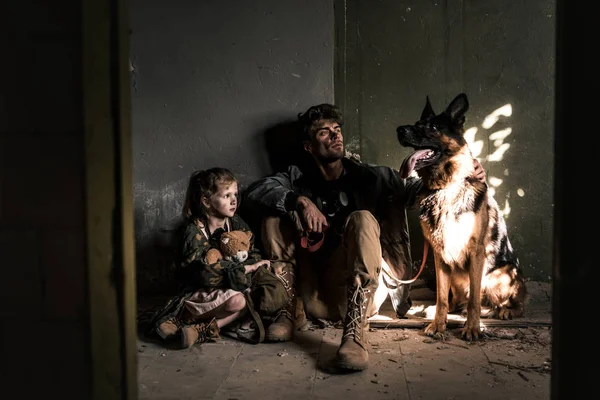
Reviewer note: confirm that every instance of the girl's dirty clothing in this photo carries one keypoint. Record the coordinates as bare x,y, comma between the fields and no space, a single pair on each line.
206,286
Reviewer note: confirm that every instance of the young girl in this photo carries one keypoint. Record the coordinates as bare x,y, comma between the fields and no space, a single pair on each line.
212,295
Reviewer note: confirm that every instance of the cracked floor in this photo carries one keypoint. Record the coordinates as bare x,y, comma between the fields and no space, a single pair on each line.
509,363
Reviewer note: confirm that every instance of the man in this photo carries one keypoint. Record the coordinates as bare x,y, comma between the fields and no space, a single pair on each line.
348,217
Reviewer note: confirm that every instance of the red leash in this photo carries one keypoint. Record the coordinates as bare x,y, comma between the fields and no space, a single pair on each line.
425,249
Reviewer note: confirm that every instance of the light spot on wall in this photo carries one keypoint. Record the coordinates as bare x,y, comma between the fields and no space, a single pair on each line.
506,210
495,182
494,116
498,154
500,148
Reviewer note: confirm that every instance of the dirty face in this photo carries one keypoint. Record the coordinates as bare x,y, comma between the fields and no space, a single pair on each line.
435,138
326,142
224,202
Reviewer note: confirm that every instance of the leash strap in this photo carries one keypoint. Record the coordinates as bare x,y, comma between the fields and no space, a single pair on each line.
389,272
313,241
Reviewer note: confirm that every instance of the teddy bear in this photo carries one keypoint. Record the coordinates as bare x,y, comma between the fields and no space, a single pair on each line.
233,246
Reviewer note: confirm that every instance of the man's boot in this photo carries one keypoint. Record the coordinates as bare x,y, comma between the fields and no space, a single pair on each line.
169,328
282,327
353,353
199,333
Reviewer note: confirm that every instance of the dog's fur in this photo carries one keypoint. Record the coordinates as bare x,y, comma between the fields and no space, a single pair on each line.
462,223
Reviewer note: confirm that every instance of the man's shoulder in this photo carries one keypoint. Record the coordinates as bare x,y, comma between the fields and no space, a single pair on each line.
353,165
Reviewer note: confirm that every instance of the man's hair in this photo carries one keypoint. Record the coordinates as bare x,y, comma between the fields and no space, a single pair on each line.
314,114
204,184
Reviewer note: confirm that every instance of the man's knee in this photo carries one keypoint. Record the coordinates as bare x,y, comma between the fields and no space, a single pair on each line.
361,225
278,236
362,219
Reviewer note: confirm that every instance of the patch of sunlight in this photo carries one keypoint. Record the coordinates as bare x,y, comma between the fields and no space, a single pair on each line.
422,311
501,134
498,154
494,116
470,134
476,146
379,317
506,210
496,141
495,182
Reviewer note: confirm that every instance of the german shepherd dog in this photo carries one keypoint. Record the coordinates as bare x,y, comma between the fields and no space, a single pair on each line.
462,223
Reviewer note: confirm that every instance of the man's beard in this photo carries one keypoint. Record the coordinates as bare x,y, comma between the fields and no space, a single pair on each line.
331,158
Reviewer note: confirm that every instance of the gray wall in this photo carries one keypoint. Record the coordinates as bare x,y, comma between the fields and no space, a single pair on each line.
497,52
210,81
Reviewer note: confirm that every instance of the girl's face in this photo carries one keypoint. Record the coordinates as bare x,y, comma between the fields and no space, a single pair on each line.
224,202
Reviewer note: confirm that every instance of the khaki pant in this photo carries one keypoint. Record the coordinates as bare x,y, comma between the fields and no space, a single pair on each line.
323,276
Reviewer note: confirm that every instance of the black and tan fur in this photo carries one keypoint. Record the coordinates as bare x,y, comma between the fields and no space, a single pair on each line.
462,223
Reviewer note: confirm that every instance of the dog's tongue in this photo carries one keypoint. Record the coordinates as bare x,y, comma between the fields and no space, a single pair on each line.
408,165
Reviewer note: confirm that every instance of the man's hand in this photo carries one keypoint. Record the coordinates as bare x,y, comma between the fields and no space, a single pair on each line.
479,172
312,218
253,267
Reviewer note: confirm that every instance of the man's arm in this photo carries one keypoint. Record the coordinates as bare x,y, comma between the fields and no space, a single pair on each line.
276,193
270,193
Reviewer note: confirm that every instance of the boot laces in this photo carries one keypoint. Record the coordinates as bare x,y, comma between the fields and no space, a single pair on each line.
204,331
285,311
282,278
175,321
356,313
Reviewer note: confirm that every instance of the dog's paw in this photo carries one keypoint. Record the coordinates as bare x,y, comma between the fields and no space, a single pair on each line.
471,331
505,313
435,329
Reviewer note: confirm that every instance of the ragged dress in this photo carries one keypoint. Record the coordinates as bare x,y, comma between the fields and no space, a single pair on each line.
206,286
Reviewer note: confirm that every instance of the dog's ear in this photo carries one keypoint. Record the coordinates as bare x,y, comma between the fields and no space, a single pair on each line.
458,108
427,111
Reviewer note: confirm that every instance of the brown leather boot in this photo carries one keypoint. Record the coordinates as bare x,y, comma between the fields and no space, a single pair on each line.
169,328
282,327
199,333
353,353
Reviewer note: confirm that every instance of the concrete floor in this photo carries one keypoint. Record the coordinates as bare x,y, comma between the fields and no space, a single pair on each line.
510,363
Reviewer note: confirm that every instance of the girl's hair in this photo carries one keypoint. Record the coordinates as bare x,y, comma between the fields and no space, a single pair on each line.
204,184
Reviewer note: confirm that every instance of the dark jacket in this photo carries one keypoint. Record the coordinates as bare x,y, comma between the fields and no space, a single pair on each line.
377,189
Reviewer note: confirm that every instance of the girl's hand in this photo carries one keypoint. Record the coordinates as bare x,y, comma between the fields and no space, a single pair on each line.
253,267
